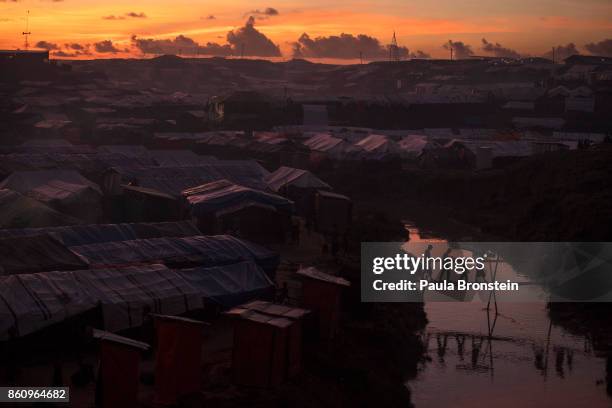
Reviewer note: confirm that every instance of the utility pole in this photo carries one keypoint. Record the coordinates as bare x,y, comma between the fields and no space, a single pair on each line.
27,32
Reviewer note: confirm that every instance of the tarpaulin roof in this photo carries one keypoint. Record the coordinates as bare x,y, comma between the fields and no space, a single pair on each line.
125,150
52,185
331,145
36,253
228,285
19,211
92,162
100,233
125,295
331,194
413,144
314,273
203,250
24,181
514,148
549,123
289,176
270,137
173,180
378,144
51,142
323,142
179,158
211,197
274,309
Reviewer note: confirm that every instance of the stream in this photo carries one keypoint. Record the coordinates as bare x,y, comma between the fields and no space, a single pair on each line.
518,357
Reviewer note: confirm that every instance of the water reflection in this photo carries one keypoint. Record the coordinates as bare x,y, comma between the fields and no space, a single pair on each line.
480,356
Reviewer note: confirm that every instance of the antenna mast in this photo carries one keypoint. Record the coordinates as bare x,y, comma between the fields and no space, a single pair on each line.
27,32
394,54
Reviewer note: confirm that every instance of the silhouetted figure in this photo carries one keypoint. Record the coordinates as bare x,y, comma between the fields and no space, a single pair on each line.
475,351
559,360
442,341
295,232
538,361
460,345
570,359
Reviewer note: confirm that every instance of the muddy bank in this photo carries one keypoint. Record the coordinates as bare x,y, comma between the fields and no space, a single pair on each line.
560,196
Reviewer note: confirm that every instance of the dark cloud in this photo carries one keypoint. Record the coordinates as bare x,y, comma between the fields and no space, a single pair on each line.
72,50
460,50
249,41
209,17
131,14
265,13
76,46
105,47
179,45
498,50
419,54
603,48
345,46
246,39
64,54
562,52
45,45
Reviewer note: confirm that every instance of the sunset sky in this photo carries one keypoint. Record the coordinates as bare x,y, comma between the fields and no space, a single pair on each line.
96,28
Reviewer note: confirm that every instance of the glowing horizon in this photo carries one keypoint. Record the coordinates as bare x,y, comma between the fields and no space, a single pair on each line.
516,25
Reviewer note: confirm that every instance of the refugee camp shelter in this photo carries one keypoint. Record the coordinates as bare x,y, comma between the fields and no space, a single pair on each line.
36,253
122,296
184,252
19,211
66,191
260,351
455,154
141,204
173,180
333,212
298,185
328,146
223,206
412,145
378,147
76,235
321,293
299,318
